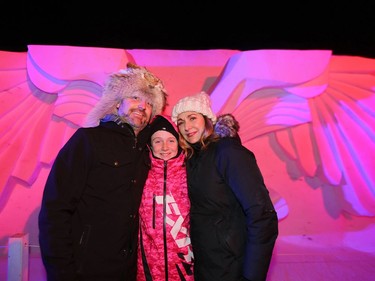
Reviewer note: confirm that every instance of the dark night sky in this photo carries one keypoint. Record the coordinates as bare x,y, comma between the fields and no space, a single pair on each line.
346,30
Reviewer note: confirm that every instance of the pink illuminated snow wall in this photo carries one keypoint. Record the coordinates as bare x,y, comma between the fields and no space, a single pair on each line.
308,116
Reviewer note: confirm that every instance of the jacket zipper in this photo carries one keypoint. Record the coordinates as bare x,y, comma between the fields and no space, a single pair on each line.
165,221
153,210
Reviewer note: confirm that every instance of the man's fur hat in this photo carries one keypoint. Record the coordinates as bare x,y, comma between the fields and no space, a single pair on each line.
122,84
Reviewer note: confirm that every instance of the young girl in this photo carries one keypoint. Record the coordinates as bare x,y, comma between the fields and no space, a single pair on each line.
164,248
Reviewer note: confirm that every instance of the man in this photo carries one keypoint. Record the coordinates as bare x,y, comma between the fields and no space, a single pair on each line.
88,222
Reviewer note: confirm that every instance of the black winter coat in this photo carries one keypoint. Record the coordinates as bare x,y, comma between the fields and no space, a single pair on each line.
234,225
88,222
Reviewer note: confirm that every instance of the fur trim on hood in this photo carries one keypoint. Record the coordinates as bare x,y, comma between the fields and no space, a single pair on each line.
121,85
227,126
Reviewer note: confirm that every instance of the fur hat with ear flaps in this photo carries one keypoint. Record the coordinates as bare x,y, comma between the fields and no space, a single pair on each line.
122,84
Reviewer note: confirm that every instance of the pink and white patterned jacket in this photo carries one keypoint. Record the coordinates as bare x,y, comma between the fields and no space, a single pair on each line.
164,251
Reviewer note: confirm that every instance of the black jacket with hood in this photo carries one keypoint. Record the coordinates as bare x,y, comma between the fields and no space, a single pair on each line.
234,225
88,220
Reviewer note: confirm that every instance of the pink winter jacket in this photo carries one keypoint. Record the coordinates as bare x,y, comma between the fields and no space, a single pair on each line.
164,251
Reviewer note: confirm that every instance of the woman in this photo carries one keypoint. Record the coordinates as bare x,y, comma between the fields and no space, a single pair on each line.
233,223
165,250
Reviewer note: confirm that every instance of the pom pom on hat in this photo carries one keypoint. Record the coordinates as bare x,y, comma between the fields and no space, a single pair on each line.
200,103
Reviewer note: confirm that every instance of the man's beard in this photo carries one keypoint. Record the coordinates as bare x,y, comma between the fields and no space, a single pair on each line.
127,119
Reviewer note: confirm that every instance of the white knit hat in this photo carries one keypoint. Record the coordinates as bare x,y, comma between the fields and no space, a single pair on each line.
121,85
200,103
